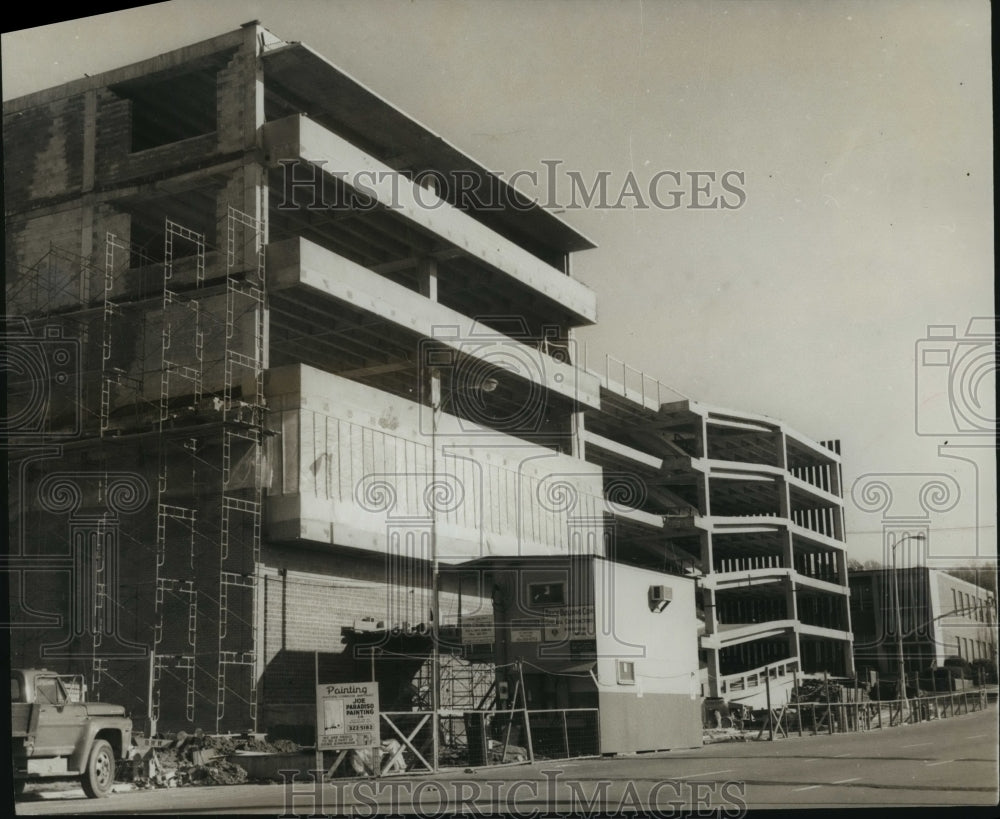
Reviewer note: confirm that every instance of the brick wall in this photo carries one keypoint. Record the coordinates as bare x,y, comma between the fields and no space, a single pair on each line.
306,596
43,151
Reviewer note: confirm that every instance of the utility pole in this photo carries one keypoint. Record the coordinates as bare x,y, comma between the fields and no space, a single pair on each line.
899,621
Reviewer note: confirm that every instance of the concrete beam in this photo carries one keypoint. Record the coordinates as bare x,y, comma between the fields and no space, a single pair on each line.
748,632
827,633
623,450
298,262
298,137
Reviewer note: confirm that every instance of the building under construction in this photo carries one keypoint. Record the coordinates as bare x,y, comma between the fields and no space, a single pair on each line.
276,350
751,508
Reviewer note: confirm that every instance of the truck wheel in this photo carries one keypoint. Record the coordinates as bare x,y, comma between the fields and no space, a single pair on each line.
99,776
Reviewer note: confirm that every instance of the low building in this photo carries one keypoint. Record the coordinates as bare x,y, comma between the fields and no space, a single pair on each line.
942,617
585,632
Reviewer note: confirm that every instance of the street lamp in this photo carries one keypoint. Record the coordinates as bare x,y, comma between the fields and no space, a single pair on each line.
487,385
899,619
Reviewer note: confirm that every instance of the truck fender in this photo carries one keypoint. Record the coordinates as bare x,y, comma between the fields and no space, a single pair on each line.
115,732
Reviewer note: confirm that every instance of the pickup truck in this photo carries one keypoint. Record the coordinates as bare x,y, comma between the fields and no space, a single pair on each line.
57,735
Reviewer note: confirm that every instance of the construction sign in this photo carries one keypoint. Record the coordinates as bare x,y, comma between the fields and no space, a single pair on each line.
568,621
347,716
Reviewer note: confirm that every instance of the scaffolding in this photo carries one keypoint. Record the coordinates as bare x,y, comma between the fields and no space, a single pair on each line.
59,279
242,441
118,255
209,462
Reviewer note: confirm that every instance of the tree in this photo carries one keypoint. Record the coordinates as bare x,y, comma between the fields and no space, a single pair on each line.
983,576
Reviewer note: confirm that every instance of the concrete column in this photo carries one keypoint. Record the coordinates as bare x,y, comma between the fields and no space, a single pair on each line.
427,281
791,599
576,419
848,658
701,449
427,278
714,676
836,480
708,603
253,111
842,567
781,453
89,140
707,565
838,524
784,498
577,445
88,289
787,550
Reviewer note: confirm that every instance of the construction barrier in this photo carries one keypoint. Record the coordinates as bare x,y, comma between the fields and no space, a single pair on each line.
848,717
480,738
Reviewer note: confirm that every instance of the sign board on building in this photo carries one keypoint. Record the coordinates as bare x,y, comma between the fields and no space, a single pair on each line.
478,629
564,622
525,635
347,716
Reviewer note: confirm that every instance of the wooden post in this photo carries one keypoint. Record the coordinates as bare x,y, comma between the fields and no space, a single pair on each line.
149,695
527,719
798,705
510,722
934,689
878,700
767,693
319,752
829,710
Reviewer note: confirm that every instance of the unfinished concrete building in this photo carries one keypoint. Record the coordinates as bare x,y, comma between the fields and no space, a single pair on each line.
242,281
275,350
751,508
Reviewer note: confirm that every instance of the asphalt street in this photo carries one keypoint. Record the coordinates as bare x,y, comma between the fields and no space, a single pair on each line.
947,762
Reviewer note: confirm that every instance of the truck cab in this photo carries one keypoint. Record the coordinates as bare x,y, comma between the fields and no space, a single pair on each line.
56,733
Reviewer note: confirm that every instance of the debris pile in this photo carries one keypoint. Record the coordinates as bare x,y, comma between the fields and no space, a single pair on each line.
194,759
811,690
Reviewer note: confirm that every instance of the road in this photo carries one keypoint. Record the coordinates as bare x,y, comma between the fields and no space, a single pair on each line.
948,762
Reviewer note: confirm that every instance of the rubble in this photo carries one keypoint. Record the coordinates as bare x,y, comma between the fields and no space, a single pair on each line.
194,759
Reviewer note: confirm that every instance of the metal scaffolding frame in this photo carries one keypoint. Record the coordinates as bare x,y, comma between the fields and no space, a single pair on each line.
226,520
243,439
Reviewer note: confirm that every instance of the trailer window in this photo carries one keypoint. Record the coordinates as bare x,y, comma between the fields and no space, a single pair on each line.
15,689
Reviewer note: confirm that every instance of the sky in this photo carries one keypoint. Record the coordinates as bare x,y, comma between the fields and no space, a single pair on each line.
856,138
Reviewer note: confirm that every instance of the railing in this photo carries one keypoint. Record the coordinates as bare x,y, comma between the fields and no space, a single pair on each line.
755,677
634,383
849,717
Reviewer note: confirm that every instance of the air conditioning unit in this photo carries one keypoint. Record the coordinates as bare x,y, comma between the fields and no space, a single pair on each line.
660,597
